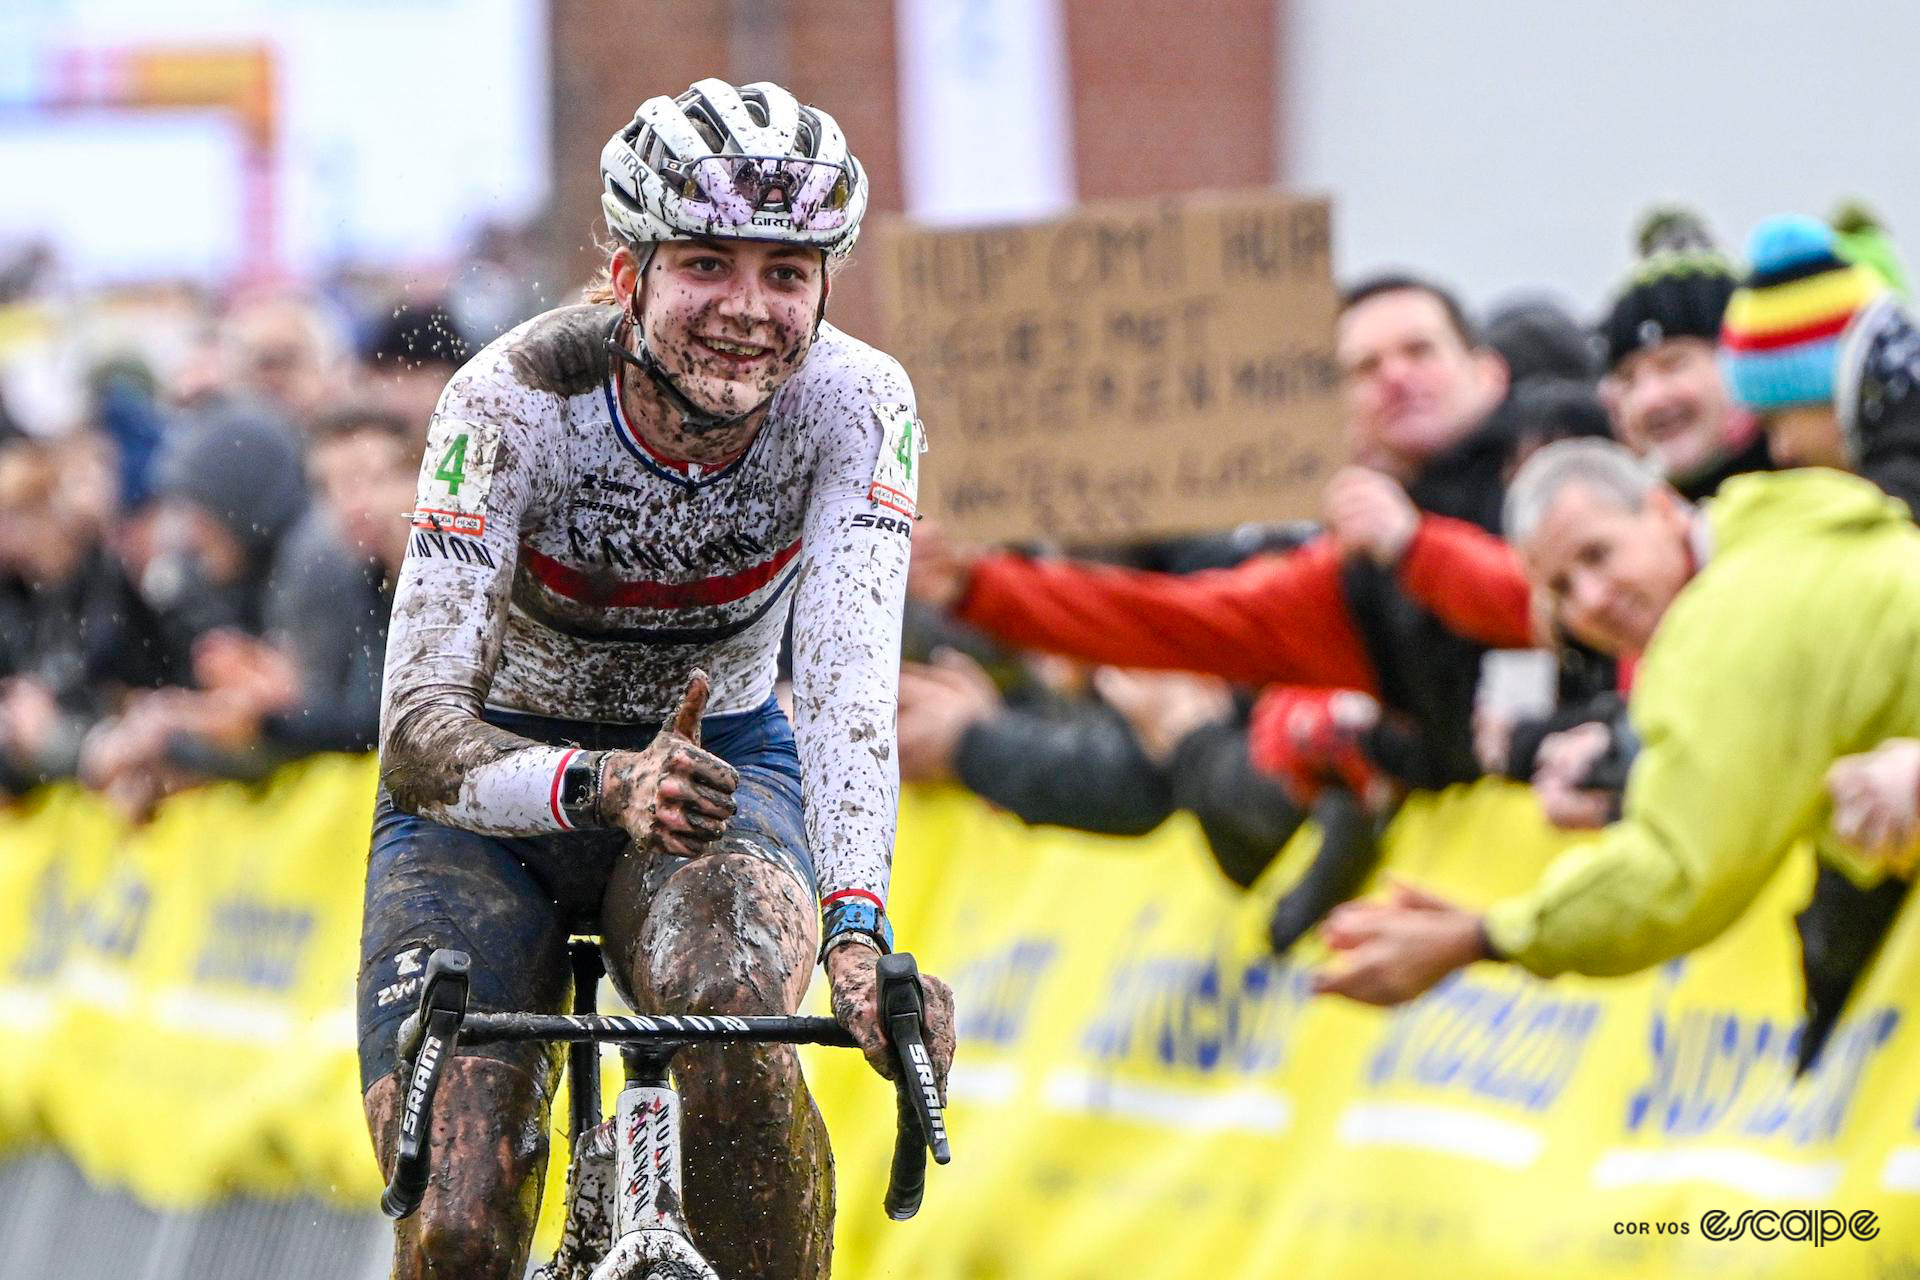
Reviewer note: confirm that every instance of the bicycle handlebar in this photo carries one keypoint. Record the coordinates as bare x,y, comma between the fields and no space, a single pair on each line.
443,1007
428,1035
917,1094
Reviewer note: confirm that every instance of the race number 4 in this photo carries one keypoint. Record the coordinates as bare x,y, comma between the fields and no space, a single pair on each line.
896,470
453,465
455,476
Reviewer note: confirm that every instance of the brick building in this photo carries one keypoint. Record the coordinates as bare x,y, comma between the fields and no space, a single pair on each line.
1165,95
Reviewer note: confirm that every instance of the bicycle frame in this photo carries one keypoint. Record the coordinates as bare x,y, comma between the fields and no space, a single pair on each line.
624,1222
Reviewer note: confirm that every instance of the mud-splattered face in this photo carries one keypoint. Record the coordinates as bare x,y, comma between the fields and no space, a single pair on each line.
730,320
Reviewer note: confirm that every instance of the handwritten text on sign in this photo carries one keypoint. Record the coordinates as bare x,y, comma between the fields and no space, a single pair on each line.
1139,368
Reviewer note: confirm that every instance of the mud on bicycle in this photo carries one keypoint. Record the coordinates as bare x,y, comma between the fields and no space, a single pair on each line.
623,1218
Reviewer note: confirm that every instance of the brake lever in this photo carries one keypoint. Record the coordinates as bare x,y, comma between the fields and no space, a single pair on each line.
921,1119
427,1038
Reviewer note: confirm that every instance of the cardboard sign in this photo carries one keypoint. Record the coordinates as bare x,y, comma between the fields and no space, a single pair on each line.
1136,369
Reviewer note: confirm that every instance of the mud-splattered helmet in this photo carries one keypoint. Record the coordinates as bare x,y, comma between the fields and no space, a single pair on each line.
747,163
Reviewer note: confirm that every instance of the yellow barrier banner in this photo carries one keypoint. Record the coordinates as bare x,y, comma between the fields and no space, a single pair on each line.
200,973
56,850
1142,1089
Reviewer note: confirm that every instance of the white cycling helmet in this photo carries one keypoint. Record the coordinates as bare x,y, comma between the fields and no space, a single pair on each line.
747,163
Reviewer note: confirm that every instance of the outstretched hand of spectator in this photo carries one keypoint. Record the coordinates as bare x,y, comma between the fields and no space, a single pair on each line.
126,758
1309,737
941,566
1876,801
939,702
1369,514
233,662
1389,952
242,680
29,716
1163,707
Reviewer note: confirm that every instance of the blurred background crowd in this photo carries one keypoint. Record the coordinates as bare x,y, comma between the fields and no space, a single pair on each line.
1669,227
203,476
198,558
198,561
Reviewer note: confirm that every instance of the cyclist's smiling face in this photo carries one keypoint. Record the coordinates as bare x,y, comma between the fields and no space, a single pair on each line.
731,320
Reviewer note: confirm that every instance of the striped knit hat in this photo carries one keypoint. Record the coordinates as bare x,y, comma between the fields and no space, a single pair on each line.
1780,340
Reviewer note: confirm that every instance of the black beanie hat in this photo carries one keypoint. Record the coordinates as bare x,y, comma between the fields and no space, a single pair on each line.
1544,410
1679,289
1538,339
415,335
241,462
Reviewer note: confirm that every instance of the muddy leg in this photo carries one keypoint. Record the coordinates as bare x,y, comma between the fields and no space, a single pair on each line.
733,933
489,1158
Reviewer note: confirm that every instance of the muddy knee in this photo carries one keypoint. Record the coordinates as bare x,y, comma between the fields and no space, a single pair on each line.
733,932
726,933
489,1153
468,1244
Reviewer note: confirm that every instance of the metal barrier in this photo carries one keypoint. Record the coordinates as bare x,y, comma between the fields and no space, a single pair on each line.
54,1223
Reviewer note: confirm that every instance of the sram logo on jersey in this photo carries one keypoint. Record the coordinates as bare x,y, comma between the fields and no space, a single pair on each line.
885,524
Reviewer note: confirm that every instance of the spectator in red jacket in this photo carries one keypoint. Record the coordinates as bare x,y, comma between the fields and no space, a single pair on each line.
1373,606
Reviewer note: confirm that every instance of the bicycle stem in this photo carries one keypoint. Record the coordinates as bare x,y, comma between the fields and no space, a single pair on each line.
648,1192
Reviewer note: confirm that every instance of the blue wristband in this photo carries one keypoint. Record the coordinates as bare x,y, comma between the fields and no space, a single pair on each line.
851,915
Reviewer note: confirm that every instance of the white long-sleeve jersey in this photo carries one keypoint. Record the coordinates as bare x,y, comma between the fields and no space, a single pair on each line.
559,567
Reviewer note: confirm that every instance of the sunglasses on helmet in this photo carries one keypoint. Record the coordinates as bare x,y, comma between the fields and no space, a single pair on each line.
745,191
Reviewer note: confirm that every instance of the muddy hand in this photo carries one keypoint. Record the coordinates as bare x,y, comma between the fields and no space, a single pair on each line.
693,707
852,973
673,796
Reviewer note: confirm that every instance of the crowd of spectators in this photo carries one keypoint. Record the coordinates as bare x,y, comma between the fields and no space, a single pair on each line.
1404,646
202,514
198,551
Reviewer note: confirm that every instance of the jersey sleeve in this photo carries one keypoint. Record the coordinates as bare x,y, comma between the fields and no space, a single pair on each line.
482,475
847,619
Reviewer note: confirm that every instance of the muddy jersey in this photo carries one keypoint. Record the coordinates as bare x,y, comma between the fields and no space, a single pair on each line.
558,566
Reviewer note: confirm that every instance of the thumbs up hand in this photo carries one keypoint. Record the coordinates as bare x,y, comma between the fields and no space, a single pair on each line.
674,796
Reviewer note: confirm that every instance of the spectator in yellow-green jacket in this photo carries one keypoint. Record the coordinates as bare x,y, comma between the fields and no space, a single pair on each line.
1780,630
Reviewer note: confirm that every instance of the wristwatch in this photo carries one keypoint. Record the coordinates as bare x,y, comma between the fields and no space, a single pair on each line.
580,789
855,920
